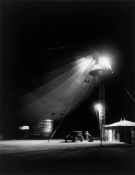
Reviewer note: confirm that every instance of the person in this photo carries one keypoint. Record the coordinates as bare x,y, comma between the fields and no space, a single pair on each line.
132,136
88,136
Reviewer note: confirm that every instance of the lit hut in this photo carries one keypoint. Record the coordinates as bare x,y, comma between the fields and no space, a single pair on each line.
123,131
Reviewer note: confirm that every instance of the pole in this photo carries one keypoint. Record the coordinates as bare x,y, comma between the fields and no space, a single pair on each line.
60,122
102,100
100,127
99,112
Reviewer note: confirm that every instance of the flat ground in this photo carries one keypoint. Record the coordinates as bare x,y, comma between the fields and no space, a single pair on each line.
57,157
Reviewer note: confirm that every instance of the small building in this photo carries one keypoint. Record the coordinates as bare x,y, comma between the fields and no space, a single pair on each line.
122,131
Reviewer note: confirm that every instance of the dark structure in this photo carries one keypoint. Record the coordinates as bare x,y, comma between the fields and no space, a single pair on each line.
74,136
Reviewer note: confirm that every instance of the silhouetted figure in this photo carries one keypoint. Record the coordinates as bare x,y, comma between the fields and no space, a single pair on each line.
88,136
133,137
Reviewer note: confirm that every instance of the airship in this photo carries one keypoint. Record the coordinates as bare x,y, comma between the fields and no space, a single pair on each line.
61,91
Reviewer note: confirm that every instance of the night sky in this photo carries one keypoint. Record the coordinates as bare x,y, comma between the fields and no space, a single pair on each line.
38,36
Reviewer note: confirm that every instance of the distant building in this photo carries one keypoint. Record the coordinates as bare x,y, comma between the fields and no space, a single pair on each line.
122,131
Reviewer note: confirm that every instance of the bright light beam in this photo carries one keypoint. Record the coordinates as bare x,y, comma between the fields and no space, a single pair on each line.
85,63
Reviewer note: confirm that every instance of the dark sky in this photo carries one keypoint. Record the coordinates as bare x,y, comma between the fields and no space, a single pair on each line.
30,30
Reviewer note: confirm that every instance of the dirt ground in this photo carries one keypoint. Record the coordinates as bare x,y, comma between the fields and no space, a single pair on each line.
57,157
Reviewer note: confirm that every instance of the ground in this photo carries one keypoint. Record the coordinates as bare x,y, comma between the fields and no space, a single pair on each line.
57,157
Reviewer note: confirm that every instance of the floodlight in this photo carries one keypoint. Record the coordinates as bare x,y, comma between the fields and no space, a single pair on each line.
104,62
103,67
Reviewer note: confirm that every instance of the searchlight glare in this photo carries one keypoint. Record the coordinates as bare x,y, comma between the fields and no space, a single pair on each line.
104,62
103,67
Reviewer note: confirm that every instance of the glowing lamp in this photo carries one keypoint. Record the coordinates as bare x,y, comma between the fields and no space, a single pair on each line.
24,128
98,107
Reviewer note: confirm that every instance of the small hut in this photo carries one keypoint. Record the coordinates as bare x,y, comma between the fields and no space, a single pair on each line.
123,131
